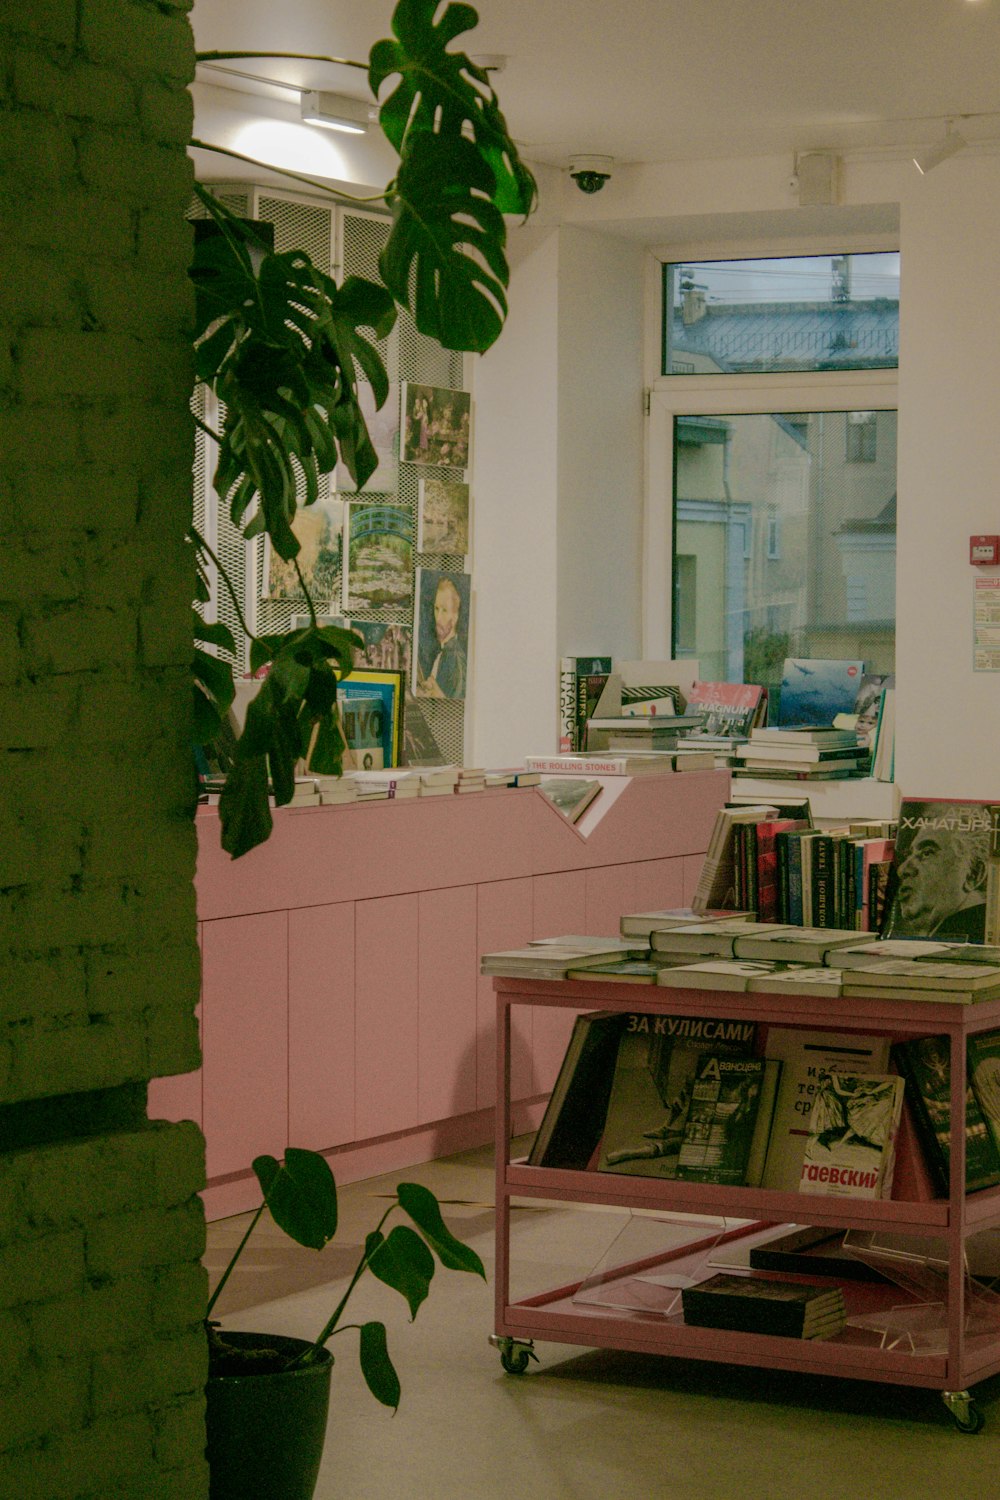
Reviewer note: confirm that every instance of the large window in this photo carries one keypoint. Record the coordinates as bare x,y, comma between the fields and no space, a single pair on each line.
783,546
807,312
771,517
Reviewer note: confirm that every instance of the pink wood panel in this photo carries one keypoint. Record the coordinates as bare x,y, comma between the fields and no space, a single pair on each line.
321,1026
448,967
245,1039
503,920
659,883
384,848
392,848
387,1015
610,892
560,903
178,1097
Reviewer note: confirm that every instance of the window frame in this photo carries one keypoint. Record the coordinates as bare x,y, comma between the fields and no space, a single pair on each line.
672,396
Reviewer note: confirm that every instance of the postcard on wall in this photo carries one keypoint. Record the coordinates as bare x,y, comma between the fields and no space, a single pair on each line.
378,556
318,528
386,648
302,622
383,430
443,515
437,425
441,644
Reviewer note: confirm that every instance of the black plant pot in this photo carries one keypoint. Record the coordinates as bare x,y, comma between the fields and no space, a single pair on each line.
266,1430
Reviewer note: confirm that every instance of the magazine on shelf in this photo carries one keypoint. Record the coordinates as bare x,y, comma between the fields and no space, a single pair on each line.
574,1116
925,1063
728,1120
804,1055
654,1073
853,1123
727,708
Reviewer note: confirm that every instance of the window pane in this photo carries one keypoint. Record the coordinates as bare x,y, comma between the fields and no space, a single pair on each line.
784,545
808,312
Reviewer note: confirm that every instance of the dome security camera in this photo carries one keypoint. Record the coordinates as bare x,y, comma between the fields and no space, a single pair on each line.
590,173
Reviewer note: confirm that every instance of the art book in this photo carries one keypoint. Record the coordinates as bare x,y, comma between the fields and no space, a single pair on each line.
378,556
318,530
442,515
925,1064
654,1074
437,425
441,647
383,433
574,1116
815,689
387,648
728,708
804,1056
853,1123
724,1121
940,870
582,680
790,1309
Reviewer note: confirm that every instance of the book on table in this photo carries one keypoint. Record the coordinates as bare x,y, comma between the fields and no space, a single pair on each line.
765,1304
621,971
642,923
925,1063
651,1091
923,980
727,708
790,944
581,682
716,886
939,880
721,974
574,1116
814,689
545,960
705,939
853,1124
804,1055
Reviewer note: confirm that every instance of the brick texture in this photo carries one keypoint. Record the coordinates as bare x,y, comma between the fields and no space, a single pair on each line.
101,1230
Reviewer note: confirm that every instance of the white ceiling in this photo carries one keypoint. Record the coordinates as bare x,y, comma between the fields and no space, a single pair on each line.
663,80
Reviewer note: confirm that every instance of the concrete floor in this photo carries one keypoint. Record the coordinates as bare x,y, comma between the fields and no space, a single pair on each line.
582,1424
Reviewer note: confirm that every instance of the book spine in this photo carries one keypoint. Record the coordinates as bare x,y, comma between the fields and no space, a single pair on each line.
781,863
822,877
794,847
567,705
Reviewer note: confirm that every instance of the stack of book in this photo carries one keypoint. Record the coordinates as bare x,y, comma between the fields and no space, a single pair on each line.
552,958
392,783
610,764
471,779
803,753
334,790
767,1305
640,731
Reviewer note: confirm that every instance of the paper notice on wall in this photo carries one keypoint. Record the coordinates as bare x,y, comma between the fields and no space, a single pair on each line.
986,624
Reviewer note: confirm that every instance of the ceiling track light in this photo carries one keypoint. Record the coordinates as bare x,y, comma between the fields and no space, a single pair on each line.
336,112
952,142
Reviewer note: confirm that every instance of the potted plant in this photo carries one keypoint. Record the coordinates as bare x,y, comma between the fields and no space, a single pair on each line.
267,1395
282,346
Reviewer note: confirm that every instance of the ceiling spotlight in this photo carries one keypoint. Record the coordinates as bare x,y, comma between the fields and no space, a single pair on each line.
952,141
336,112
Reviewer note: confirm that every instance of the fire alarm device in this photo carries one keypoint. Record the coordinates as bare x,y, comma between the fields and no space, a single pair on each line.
984,551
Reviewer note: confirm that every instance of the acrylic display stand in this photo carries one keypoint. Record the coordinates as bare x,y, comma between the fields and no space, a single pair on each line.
945,1337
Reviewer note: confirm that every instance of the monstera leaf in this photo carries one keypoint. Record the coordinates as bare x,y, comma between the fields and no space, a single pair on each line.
445,93
447,242
282,346
459,172
293,716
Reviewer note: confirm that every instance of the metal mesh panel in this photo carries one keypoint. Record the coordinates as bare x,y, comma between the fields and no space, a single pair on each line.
235,199
408,355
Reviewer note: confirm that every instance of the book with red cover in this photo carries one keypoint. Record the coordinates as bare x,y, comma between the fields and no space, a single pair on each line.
767,866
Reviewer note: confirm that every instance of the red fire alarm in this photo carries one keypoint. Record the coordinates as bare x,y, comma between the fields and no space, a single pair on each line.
984,551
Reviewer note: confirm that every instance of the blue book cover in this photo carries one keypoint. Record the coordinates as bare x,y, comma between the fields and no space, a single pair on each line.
814,690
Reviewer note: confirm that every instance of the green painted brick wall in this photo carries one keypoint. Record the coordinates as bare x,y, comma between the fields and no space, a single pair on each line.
101,1230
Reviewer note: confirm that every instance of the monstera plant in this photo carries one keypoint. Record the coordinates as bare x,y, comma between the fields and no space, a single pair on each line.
283,346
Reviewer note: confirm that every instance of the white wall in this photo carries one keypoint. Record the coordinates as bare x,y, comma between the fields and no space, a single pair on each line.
948,716
512,710
600,444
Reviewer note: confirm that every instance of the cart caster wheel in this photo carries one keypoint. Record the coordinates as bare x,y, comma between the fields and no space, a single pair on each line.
514,1353
964,1412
